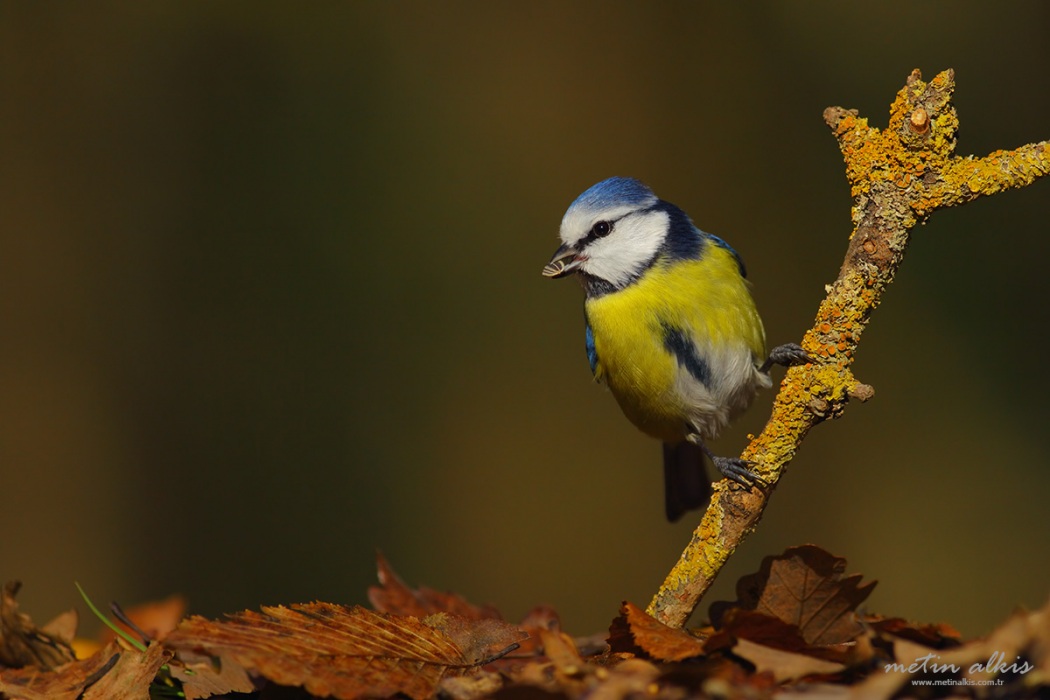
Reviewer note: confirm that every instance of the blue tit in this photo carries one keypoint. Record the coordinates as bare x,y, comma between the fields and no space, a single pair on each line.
671,327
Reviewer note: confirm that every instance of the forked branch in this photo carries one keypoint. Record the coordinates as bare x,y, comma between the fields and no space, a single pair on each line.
899,176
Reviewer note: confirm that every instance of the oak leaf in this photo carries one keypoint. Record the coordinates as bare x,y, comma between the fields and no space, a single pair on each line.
348,652
804,587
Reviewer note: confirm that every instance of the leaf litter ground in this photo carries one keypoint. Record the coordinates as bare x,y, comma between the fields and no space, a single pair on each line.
797,629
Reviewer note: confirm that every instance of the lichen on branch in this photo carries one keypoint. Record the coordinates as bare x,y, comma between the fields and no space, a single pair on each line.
898,177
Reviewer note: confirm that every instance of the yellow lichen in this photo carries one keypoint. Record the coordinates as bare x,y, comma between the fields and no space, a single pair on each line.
898,176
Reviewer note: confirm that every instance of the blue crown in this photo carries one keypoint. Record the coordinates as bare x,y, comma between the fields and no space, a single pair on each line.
616,191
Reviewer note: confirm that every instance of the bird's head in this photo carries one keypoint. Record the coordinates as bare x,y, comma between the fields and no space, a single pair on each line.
611,234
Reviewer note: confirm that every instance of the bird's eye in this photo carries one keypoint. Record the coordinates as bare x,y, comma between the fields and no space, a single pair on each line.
601,229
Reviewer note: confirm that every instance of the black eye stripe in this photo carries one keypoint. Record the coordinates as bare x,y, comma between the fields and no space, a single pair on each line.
600,229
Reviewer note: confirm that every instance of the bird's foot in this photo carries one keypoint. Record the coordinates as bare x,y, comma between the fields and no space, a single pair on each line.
733,468
736,470
788,355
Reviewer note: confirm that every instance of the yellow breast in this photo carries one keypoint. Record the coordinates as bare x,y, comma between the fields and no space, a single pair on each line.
706,299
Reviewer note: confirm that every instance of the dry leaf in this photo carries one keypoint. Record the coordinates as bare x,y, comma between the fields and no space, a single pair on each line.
887,679
636,631
478,641
65,683
479,685
131,676
774,633
560,669
714,676
1014,661
631,678
935,636
24,644
155,619
804,587
784,665
758,627
393,596
776,647
1019,646
203,676
63,626
559,648
541,618
347,652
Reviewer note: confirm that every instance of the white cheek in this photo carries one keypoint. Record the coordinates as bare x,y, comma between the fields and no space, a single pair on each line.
576,223
632,244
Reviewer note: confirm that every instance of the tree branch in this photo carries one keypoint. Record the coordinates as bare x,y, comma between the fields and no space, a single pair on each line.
899,176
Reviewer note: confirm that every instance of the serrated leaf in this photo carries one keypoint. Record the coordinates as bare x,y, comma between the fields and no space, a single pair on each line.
348,652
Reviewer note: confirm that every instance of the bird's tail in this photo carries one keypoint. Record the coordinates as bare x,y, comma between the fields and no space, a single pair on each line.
686,486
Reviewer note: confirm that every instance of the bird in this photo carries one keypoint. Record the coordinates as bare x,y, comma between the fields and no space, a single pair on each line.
671,328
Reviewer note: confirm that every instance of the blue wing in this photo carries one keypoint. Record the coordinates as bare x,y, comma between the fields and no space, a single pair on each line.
592,353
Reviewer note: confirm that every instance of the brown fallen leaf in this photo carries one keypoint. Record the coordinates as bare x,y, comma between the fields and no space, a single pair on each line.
1014,660
804,587
714,676
203,676
64,683
784,665
1018,647
560,669
542,618
348,652
478,641
559,648
24,644
631,678
392,595
131,676
63,626
777,648
479,685
155,619
935,636
637,632
772,632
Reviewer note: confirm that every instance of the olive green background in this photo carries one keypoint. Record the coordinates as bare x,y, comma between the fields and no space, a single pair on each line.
270,298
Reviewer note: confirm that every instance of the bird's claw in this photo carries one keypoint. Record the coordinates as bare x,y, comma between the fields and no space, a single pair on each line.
788,355
736,470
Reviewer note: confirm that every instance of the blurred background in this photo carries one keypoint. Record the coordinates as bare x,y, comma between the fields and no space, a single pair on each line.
270,298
